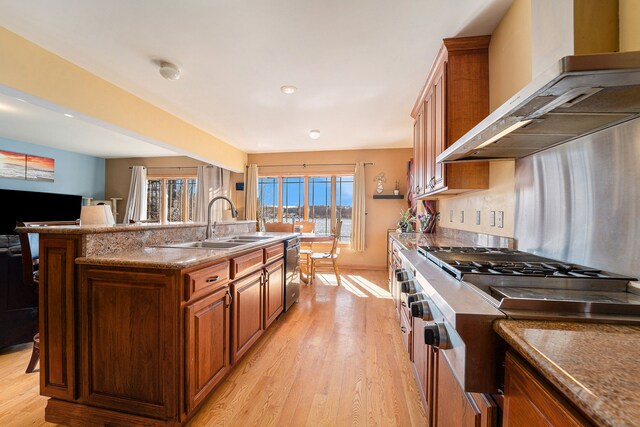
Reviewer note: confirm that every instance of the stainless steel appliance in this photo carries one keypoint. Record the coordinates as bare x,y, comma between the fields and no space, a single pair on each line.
292,272
460,291
524,285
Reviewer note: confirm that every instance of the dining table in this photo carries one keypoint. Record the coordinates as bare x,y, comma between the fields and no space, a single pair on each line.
306,253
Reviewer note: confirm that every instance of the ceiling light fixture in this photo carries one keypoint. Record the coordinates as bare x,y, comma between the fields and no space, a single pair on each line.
68,115
169,71
314,134
288,89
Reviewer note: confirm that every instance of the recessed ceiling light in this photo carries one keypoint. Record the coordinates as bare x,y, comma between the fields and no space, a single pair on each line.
68,115
169,71
314,134
288,89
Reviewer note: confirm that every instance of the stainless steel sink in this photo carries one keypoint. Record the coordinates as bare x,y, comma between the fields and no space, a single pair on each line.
245,238
207,245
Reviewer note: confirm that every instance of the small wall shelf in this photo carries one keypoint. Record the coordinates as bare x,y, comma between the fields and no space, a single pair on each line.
388,196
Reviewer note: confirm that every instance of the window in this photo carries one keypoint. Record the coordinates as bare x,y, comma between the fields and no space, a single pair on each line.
344,205
268,199
320,203
171,199
328,198
292,199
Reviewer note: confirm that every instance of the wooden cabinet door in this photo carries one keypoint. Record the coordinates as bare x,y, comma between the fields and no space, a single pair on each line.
129,341
439,126
454,407
529,401
418,153
273,292
247,308
207,349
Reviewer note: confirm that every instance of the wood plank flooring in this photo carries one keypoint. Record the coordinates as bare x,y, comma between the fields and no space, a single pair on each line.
335,359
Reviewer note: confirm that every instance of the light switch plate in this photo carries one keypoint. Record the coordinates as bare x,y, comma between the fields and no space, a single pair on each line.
492,218
477,217
461,217
500,219
451,216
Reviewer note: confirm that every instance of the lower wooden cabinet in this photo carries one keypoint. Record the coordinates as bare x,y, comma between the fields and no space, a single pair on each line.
208,344
273,292
248,322
529,401
456,407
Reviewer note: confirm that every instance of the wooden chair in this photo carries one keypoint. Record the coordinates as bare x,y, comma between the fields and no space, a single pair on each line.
305,226
327,260
279,227
29,248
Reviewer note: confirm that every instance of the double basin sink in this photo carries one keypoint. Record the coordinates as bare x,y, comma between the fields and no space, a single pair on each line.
221,243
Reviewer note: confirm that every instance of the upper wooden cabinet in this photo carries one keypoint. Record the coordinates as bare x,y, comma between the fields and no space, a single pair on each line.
454,99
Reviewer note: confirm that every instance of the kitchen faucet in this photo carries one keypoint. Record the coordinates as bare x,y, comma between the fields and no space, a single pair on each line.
234,213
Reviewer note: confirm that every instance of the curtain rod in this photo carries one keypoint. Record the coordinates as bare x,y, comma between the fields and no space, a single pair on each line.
171,167
305,165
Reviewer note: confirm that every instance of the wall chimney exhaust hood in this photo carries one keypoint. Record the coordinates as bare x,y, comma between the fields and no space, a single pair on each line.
579,95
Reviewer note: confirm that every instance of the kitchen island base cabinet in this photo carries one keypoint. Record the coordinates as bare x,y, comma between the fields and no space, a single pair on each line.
529,401
274,292
208,338
248,324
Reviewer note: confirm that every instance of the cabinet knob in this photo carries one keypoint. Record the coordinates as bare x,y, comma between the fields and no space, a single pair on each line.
403,329
435,335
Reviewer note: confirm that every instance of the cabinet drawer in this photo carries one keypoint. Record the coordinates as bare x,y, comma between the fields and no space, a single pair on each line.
245,264
273,253
206,280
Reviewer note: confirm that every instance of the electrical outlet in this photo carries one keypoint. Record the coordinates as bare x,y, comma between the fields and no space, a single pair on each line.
477,217
451,216
492,218
461,217
500,219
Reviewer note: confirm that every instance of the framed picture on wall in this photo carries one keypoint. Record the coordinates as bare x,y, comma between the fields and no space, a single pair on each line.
26,167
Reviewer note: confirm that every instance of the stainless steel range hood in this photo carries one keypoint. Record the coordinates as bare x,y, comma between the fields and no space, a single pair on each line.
579,95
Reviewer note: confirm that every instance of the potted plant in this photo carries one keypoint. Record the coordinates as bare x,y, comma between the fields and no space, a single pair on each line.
396,191
405,225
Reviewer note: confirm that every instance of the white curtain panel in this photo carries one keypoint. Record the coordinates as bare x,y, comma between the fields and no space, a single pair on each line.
137,200
359,209
212,182
251,193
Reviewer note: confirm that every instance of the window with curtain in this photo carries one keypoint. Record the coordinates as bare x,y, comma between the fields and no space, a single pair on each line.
171,199
292,199
268,199
344,205
320,203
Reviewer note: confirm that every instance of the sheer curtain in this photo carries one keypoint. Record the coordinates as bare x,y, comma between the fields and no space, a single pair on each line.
359,209
212,182
137,200
251,193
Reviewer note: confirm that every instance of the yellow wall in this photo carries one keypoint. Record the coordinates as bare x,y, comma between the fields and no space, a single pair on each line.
381,214
509,71
629,25
595,14
36,71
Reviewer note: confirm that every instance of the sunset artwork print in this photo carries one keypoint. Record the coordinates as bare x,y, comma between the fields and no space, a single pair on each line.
26,167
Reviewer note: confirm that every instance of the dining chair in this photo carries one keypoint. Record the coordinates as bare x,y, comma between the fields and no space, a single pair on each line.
30,251
279,227
306,226
327,261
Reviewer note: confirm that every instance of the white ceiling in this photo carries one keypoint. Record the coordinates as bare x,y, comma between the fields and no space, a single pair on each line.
25,121
358,64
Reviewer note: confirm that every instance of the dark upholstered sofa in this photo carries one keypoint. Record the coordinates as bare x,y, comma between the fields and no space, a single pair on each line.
18,303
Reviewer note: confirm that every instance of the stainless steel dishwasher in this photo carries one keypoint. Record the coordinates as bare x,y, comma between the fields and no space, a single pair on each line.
292,272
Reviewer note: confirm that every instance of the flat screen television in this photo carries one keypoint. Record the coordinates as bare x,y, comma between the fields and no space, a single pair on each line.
16,205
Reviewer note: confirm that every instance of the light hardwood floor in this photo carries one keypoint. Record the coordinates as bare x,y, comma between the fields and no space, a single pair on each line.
335,359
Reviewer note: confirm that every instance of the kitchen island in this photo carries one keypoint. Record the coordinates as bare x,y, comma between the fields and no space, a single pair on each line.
134,333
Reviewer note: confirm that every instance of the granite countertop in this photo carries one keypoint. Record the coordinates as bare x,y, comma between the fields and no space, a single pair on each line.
94,229
413,240
177,258
594,365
